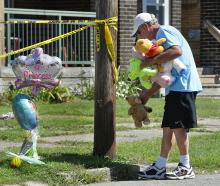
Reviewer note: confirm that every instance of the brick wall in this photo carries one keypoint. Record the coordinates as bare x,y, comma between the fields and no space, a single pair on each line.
190,26
127,12
210,48
175,13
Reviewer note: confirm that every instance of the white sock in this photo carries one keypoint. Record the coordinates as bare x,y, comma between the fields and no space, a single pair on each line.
184,159
161,162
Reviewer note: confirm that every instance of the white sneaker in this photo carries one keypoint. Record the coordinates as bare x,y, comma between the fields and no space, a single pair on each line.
152,172
181,172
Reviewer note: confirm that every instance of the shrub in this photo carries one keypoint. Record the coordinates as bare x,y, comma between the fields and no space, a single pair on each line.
85,89
57,95
125,87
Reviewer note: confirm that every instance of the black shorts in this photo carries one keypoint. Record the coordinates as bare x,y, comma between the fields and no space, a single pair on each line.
180,110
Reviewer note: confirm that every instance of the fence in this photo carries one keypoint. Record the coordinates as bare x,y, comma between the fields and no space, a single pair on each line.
74,50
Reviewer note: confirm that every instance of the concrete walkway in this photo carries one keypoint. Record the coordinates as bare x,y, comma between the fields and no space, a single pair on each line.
147,132
200,180
210,125
121,136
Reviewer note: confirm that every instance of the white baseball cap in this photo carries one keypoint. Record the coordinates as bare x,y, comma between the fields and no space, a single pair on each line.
142,18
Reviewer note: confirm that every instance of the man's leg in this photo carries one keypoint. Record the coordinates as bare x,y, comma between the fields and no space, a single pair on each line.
167,142
183,170
158,170
182,140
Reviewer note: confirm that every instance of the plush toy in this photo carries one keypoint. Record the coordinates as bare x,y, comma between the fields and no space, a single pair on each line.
164,77
144,74
138,111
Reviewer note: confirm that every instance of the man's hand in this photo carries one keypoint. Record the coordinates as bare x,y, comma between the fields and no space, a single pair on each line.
144,96
148,62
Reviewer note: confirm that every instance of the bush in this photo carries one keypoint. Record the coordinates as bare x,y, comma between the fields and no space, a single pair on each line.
57,95
85,89
125,87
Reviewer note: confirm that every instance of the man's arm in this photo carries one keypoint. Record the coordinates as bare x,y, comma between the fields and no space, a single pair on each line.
146,94
169,54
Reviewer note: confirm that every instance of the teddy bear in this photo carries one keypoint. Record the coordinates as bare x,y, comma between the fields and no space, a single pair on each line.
138,111
163,77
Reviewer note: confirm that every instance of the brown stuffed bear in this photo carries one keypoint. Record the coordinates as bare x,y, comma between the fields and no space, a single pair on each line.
138,111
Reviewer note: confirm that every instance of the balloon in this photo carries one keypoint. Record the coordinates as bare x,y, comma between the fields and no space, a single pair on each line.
15,162
25,111
37,70
36,83
26,158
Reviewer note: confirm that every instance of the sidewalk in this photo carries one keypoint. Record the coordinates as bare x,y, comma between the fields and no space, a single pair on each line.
200,180
209,125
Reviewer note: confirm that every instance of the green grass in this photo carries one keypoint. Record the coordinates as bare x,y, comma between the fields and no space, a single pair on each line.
204,152
76,117
76,157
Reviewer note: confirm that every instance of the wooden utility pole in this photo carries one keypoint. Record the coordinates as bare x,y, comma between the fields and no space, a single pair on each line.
104,129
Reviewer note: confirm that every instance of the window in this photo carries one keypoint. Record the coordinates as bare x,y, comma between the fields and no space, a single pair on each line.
9,3
160,8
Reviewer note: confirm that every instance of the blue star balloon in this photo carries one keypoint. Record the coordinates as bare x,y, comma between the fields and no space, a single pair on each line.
25,111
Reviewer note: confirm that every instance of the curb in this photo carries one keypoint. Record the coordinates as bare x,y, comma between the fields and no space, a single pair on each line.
123,172
117,173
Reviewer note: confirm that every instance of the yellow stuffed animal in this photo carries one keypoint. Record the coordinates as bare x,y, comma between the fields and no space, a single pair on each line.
138,111
148,48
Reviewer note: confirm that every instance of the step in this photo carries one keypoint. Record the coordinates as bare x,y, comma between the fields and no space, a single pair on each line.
210,79
210,90
205,70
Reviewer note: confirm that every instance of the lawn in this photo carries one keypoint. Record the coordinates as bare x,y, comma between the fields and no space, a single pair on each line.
77,117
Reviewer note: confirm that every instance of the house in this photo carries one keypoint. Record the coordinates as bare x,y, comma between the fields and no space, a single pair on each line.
186,15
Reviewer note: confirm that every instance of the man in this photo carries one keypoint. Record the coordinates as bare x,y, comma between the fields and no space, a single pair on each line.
179,111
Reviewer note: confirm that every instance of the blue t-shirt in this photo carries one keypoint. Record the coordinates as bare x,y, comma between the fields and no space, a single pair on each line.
189,81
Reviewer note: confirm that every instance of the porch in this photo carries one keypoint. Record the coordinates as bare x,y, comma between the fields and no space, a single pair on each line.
74,50
77,51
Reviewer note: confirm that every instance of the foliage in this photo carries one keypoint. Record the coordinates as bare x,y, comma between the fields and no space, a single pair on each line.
10,93
57,95
125,87
85,89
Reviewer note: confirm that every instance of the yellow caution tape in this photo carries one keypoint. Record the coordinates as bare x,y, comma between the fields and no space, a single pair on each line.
46,22
97,37
45,42
108,37
111,50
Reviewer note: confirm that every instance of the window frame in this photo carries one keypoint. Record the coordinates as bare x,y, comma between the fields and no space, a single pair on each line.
166,5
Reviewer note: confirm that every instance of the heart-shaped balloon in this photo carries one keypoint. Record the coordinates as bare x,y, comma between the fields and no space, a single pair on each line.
37,70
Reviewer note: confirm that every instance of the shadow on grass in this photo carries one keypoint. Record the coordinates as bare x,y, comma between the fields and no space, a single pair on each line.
118,170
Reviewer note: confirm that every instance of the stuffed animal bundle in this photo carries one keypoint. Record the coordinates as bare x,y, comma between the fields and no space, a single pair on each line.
138,111
135,70
162,73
